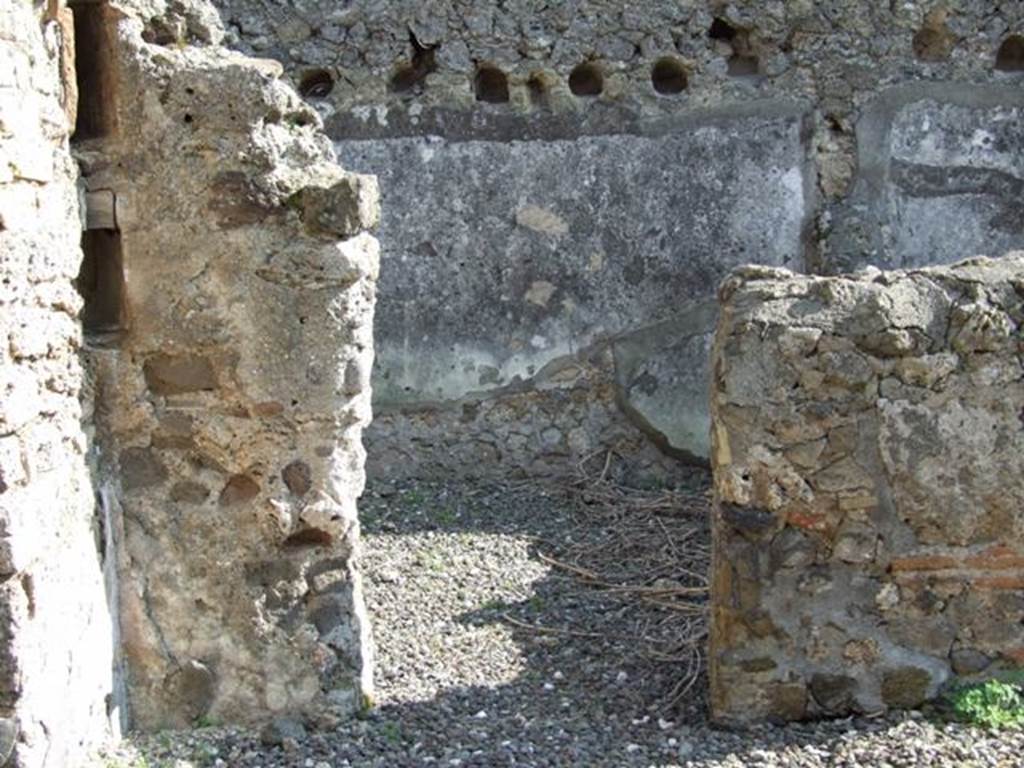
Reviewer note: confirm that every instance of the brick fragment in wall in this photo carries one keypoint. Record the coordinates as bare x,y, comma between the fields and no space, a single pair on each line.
868,533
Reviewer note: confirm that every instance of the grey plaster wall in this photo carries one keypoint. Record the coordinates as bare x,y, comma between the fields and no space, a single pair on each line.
903,135
941,173
500,271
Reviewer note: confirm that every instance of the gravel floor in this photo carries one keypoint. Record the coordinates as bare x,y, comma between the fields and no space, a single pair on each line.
488,656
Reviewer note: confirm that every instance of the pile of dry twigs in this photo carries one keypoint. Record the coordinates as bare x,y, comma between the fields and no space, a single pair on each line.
649,551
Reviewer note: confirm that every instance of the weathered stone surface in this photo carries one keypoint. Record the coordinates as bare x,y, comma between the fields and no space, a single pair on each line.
342,209
802,49
906,687
475,309
529,431
281,729
298,477
191,689
877,529
968,661
245,314
172,375
140,468
57,633
833,693
9,730
239,489
660,367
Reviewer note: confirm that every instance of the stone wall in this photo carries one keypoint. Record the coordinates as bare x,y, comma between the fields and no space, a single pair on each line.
230,330
566,184
58,693
868,453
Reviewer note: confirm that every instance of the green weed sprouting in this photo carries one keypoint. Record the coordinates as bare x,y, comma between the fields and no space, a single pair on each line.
992,704
392,732
205,721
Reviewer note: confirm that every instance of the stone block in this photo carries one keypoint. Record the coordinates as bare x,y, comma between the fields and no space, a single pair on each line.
342,209
140,468
176,374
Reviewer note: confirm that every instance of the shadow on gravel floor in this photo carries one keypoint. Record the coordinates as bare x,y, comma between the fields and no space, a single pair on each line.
588,691
494,651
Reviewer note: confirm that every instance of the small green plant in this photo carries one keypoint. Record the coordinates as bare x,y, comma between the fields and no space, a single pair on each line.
391,732
446,516
413,497
993,704
205,721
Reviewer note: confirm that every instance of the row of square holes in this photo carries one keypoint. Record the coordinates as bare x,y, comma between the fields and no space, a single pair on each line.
668,75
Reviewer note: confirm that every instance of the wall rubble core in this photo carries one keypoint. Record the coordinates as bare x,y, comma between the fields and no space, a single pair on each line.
180,438
232,398
867,451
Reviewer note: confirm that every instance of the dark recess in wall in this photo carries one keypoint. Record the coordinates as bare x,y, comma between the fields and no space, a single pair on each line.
100,282
721,30
1010,57
491,85
410,77
668,76
586,79
94,70
100,279
742,61
316,84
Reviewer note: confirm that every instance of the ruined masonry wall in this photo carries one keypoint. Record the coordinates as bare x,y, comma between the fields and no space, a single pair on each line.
56,627
566,184
868,453
233,394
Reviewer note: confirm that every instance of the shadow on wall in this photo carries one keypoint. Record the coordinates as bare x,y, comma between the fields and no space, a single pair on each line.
100,283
